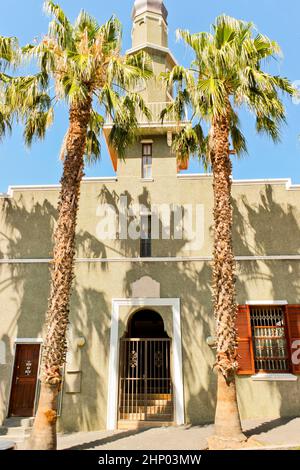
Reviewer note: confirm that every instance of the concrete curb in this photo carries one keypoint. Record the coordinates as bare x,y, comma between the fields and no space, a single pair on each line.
7,445
274,447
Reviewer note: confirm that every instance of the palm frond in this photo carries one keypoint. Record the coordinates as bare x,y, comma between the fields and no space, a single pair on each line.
268,126
93,146
36,125
238,141
227,72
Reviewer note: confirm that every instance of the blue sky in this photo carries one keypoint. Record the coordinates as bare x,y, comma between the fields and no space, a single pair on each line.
277,19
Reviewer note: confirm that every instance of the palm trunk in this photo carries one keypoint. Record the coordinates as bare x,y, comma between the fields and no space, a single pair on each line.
43,435
228,431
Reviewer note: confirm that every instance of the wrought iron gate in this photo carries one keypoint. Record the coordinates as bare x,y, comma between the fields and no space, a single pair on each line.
145,390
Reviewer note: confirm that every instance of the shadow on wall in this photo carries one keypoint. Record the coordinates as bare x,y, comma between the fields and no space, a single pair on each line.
6,358
27,236
184,280
24,288
169,247
267,228
90,319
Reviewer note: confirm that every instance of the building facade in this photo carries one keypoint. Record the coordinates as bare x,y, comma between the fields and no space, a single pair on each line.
141,330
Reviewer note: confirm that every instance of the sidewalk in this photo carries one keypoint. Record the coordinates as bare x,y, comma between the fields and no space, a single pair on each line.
276,433
283,432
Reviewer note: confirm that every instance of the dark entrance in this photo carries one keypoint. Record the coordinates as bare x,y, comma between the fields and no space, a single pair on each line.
145,391
24,380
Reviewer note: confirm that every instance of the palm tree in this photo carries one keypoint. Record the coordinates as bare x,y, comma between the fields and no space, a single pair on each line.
84,63
9,56
22,98
226,74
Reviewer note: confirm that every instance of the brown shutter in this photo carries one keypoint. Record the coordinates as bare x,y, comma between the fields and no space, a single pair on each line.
245,345
293,324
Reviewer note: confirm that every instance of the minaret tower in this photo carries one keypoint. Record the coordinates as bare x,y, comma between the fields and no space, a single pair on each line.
150,34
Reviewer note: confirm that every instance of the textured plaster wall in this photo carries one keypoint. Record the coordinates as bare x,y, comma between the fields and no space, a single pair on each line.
266,222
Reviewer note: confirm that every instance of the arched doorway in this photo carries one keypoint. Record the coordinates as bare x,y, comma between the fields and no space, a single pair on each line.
145,386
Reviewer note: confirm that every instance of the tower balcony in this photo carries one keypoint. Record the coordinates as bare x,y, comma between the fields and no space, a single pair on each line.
155,125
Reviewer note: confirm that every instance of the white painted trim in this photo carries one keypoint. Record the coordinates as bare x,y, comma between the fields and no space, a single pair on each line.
273,181
151,45
267,302
28,340
274,377
289,186
166,259
268,258
147,141
38,381
184,176
113,371
194,176
171,124
151,15
54,187
25,261
154,125
99,179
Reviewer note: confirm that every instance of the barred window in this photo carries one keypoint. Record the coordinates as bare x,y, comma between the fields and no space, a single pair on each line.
269,339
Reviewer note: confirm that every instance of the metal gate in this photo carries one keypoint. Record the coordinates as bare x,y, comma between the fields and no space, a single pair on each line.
145,390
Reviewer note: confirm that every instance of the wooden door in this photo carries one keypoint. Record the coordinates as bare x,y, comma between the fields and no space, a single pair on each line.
24,380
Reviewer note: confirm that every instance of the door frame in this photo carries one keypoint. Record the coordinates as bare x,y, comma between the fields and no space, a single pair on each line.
113,368
24,341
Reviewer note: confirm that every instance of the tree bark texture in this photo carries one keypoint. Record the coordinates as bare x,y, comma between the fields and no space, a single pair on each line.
62,273
227,419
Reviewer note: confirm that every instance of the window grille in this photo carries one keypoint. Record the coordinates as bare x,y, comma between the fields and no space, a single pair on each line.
145,390
269,339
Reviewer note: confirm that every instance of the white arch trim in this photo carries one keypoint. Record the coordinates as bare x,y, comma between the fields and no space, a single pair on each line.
113,371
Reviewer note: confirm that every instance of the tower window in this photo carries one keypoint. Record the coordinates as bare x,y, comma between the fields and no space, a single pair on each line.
145,247
147,161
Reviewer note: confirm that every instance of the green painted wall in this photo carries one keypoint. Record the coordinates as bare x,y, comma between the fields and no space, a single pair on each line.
266,223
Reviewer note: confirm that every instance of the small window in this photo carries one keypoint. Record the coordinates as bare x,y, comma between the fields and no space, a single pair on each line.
269,339
145,248
147,161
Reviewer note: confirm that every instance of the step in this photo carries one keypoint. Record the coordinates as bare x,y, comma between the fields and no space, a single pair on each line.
137,402
130,424
145,396
145,416
19,422
14,432
16,428
146,409
148,396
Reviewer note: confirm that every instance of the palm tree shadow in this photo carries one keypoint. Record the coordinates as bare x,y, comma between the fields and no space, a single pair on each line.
268,426
107,440
24,288
267,224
